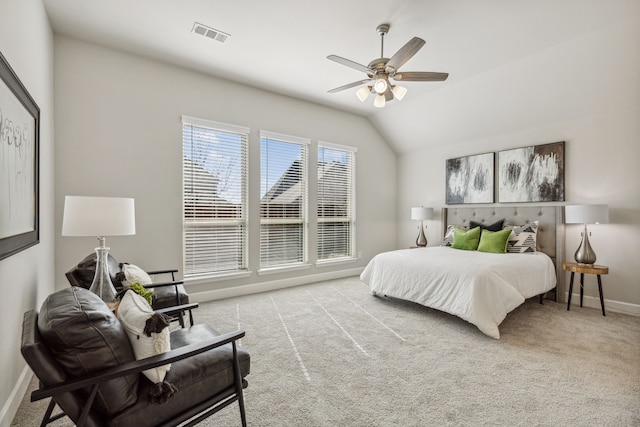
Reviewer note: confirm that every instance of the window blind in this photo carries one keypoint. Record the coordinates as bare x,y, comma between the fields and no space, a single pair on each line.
336,201
283,203
215,197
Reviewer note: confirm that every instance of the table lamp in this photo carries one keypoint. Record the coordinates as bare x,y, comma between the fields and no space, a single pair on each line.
421,214
586,214
101,217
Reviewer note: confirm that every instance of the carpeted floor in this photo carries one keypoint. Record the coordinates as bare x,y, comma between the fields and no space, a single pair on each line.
330,354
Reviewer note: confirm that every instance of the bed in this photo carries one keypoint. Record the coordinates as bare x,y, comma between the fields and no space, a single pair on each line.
481,288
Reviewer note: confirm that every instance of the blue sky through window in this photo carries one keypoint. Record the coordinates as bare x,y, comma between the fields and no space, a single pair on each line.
275,159
220,154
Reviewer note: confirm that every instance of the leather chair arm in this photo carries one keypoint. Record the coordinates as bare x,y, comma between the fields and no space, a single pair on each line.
139,365
181,307
158,272
159,285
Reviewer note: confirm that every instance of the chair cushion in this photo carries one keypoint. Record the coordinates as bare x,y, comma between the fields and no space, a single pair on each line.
48,371
165,296
198,379
84,336
85,271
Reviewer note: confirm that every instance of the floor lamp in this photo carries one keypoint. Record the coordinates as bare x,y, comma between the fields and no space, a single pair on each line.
421,214
101,217
586,214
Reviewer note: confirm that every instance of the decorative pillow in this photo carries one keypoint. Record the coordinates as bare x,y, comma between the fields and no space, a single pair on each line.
466,240
448,235
496,226
494,241
148,332
133,273
523,238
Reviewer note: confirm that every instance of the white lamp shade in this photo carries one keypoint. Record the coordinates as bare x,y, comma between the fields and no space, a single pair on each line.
421,213
98,216
379,101
399,92
586,214
363,93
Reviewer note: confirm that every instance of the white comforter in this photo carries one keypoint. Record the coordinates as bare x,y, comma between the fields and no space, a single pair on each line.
478,287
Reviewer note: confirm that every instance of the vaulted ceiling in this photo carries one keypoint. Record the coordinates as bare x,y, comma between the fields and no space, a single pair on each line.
497,53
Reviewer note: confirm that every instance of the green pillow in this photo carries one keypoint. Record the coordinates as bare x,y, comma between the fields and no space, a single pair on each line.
466,240
494,241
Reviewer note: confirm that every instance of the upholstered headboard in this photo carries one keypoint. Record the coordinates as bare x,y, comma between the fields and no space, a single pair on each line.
550,237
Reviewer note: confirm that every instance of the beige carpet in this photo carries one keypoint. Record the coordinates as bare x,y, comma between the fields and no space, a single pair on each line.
330,354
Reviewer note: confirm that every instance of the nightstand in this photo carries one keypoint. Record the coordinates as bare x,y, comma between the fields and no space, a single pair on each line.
585,269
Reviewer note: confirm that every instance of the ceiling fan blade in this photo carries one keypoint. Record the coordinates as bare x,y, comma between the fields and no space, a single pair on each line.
350,85
349,63
420,76
404,54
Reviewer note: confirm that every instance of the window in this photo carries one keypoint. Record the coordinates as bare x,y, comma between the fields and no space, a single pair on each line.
283,200
336,202
215,197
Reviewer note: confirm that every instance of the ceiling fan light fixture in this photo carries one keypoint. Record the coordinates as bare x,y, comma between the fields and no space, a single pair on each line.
399,92
381,85
382,69
363,93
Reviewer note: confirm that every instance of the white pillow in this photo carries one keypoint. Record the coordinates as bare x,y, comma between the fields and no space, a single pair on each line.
133,273
133,313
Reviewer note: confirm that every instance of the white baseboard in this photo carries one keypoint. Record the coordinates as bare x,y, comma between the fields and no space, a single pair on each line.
609,305
8,411
272,285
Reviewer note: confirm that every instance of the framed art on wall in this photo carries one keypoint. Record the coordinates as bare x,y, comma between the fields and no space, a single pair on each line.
531,174
470,179
19,164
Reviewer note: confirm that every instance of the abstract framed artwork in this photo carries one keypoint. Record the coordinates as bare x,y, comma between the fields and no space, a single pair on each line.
19,164
531,174
470,179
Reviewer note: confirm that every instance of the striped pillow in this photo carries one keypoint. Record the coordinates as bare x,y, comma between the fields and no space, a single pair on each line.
523,238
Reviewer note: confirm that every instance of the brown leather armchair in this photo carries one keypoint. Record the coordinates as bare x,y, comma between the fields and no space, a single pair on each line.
165,294
83,358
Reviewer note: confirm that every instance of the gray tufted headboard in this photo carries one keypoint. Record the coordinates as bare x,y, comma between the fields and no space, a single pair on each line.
550,237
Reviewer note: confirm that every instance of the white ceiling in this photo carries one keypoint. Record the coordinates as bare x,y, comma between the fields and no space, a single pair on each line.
282,45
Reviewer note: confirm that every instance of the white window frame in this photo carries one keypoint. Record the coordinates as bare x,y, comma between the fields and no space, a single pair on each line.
190,259
351,208
302,220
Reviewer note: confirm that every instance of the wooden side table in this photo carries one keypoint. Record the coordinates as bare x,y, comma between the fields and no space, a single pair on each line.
585,269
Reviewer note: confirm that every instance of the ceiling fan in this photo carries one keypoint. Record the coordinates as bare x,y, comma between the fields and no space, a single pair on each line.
380,70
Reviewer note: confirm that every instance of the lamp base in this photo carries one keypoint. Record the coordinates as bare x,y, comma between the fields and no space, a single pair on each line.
101,284
585,254
422,239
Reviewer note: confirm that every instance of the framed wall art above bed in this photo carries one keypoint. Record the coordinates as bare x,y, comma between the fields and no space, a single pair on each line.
531,174
470,179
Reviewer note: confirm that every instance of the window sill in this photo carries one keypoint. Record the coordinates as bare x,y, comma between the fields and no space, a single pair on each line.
337,261
217,277
283,269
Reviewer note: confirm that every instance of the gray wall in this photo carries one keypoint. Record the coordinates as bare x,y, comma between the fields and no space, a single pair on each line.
118,133
27,278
